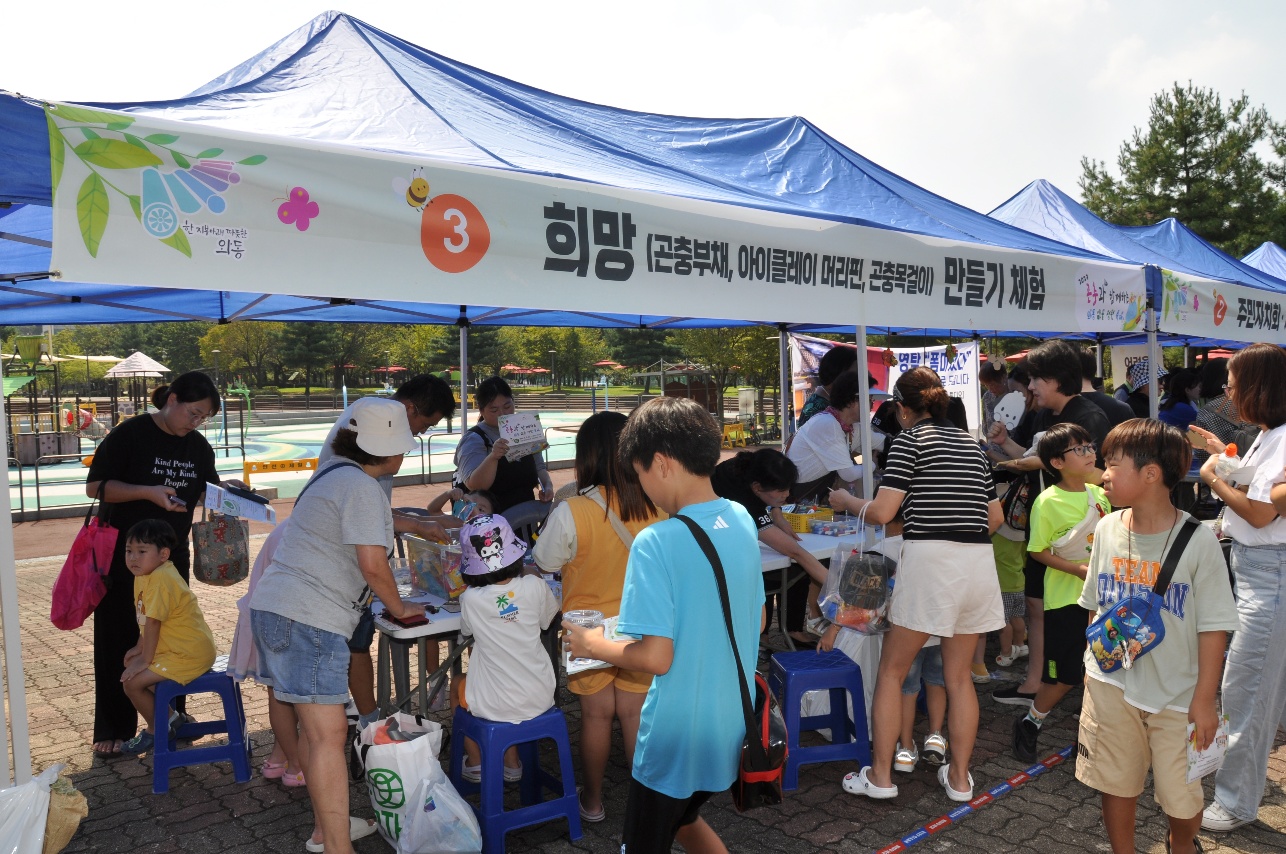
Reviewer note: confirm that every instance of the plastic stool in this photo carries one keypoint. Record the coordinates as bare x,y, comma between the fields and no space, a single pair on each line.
166,757
792,674
493,740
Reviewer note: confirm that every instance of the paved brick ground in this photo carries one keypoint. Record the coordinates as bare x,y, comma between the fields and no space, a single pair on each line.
206,811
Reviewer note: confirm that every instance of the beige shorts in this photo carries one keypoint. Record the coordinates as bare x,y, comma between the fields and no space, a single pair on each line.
947,589
1118,743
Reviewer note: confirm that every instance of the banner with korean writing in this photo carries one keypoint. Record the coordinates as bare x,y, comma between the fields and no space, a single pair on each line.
1205,308
956,364
151,202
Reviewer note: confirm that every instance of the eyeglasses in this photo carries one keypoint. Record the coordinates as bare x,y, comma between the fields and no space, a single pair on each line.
1081,450
196,418
1227,387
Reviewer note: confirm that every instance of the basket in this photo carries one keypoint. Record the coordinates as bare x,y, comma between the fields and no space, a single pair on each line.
435,567
801,523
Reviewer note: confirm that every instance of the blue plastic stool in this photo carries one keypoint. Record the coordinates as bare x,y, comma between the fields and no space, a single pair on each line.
493,740
794,673
165,755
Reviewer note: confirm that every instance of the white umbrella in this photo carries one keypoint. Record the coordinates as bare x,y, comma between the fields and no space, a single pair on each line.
137,365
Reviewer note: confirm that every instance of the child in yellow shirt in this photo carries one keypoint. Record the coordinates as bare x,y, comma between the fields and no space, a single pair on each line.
174,640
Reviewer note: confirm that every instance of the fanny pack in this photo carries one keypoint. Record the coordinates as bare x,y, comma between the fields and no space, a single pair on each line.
1131,627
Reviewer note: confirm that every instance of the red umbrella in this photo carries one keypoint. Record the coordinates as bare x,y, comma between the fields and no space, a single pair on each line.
391,369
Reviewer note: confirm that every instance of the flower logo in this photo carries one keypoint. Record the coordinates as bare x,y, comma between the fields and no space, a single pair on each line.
298,209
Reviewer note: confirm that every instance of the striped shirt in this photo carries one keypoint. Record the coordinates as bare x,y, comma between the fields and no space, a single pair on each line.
947,481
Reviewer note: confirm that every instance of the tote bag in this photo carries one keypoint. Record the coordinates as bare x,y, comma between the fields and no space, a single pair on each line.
82,582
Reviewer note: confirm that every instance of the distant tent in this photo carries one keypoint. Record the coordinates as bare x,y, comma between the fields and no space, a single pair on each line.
137,365
1270,258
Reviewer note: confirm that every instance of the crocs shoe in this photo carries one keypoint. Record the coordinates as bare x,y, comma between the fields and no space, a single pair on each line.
858,784
959,797
1008,660
272,770
293,779
1021,651
141,743
906,758
935,749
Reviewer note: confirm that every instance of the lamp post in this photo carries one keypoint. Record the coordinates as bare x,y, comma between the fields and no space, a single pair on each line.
553,368
215,353
388,370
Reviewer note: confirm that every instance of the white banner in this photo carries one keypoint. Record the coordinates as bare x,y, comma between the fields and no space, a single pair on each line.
1123,358
152,202
959,373
1205,308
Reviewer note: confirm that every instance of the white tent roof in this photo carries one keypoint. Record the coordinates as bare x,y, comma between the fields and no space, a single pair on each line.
137,365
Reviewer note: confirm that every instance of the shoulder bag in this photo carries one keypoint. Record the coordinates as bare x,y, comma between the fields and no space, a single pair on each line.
1132,627
82,582
763,753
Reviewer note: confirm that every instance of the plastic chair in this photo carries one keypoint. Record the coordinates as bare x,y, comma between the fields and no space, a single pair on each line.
165,755
493,739
792,674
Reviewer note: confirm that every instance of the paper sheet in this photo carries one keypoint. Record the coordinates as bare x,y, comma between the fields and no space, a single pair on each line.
220,500
524,433
1203,762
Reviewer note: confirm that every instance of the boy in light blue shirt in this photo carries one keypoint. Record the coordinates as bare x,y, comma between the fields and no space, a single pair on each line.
692,726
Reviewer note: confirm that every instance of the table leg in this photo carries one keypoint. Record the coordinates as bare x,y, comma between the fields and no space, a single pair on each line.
421,674
401,672
781,607
382,698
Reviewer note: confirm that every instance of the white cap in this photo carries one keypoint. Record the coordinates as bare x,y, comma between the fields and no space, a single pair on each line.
382,427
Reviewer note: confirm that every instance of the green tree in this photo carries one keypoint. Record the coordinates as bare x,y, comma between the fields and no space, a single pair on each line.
1198,161
638,348
249,346
308,347
722,351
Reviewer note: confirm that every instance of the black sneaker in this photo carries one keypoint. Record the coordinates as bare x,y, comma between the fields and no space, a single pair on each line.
1026,733
1011,696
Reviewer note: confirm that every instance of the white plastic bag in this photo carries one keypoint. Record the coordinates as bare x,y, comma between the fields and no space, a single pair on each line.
855,594
440,821
23,809
407,786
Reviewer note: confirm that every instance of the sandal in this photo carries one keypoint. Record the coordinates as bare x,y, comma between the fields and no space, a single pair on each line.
272,770
293,779
113,752
358,828
139,744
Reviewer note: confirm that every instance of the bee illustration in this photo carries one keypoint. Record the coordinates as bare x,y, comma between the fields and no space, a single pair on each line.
415,189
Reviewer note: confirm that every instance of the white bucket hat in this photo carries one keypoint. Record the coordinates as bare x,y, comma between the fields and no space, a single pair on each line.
382,427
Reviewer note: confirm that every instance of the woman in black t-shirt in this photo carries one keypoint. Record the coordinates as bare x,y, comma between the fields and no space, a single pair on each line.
761,482
153,466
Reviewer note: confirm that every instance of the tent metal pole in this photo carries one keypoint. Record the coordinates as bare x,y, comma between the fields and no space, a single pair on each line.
864,389
17,736
783,377
1154,363
464,371
1098,356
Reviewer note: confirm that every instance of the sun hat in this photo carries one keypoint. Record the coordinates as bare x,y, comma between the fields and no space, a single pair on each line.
382,427
1137,376
487,544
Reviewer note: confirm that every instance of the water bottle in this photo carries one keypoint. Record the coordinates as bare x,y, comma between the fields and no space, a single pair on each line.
1227,462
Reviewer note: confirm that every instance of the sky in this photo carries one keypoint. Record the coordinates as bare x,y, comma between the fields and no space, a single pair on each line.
972,99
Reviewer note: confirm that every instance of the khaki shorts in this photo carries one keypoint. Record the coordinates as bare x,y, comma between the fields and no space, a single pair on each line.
946,588
1118,743
592,681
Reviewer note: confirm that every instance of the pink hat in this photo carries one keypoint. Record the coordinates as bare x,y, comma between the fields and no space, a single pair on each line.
487,544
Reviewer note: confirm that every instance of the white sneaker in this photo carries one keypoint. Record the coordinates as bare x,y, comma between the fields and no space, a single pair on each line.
1217,819
935,748
906,758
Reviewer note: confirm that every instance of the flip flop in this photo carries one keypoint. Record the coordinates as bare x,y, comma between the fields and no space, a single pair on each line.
358,828
109,755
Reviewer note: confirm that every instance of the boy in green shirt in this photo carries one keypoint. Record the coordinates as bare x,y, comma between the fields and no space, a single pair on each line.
1063,518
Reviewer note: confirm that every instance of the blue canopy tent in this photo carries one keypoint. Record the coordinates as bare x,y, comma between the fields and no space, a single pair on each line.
1269,257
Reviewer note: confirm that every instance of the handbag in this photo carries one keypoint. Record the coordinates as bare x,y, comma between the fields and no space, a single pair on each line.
763,753
1131,627
220,549
82,582
1019,497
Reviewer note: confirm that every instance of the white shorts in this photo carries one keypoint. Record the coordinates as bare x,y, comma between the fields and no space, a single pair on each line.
947,588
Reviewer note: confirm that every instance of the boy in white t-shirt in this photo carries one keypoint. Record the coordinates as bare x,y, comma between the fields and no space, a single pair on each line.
1135,719
510,676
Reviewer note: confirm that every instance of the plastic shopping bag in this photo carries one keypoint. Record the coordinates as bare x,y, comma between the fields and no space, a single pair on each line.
407,786
856,592
439,820
23,809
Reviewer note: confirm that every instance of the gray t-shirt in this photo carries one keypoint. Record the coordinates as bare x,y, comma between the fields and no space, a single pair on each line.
326,454
472,451
314,576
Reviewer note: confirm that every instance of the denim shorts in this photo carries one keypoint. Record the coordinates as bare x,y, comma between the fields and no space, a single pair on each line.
927,664
302,664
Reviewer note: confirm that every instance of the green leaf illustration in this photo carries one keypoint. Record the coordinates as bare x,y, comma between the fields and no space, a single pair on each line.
115,154
135,141
80,114
209,152
89,134
91,211
253,160
121,125
179,240
161,138
137,205
57,153
181,161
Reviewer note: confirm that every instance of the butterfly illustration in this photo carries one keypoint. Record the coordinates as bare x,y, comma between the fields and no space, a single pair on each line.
298,209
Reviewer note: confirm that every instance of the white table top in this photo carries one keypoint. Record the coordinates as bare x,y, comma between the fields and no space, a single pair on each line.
446,623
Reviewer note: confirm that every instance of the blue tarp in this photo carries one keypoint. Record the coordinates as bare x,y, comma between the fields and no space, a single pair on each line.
1042,208
339,81
1270,258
